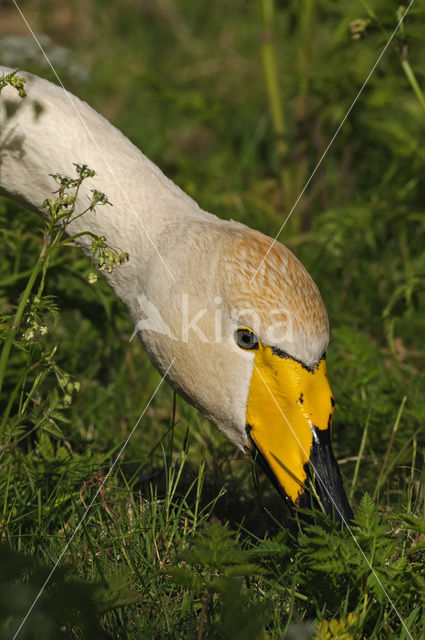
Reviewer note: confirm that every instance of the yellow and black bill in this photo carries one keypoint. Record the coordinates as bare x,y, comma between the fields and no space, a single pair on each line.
289,419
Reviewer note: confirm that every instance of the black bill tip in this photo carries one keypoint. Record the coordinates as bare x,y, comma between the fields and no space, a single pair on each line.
327,478
322,472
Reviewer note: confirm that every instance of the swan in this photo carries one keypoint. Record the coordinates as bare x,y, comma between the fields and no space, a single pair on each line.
231,317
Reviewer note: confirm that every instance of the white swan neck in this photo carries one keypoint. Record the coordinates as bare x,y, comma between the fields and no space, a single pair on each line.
51,129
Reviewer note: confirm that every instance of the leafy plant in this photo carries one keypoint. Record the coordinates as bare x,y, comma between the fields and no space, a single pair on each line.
196,91
212,570
67,605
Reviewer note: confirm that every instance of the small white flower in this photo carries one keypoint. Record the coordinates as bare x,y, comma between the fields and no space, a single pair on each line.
43,330
92,278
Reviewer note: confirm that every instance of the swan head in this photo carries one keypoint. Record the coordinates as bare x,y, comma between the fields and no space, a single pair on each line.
247,331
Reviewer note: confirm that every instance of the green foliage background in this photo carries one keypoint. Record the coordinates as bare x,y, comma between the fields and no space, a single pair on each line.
184,539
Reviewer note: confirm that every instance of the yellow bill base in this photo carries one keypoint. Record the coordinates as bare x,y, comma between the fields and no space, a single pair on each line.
286,400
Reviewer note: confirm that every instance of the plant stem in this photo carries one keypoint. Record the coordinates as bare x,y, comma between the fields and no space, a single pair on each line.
410,75
402,54
49,242
412,476
405,65
359,457
274,95
368,10
384,471
19,313
301,136
13,395
202,616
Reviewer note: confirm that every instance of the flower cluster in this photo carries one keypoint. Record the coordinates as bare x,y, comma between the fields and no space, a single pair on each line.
59,208
14,81
84,171
62,210
358,28
105,256
67,385
34,324
339,629
98,198
65,182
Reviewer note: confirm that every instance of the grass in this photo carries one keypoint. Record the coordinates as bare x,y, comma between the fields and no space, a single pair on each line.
185,538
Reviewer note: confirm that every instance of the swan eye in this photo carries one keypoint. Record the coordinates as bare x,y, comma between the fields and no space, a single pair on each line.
246,338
